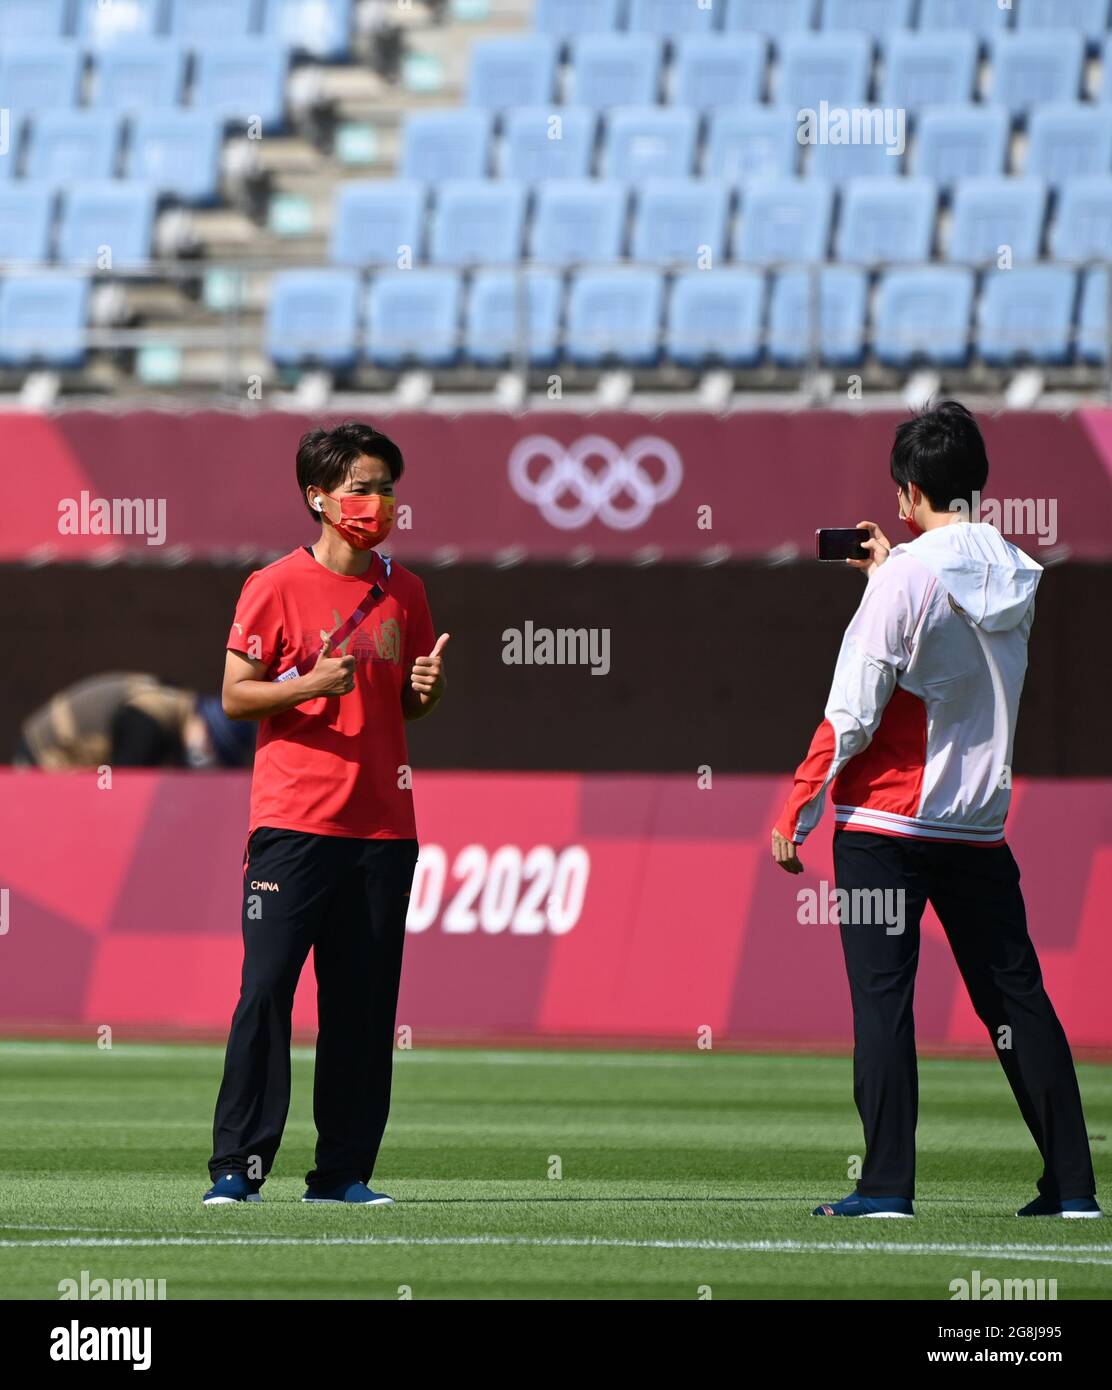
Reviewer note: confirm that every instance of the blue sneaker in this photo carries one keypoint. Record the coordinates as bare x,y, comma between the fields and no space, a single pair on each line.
856,1205
1076,1207
232,1187
356,1193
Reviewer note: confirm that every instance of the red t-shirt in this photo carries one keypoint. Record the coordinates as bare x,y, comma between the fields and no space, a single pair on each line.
332,766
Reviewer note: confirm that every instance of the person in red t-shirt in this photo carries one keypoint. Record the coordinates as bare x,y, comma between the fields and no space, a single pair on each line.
331,651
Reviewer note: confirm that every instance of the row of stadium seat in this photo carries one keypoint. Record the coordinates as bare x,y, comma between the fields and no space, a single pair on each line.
708,70
319,27
638,142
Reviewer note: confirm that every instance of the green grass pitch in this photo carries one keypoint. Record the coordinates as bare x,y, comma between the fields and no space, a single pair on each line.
681,1175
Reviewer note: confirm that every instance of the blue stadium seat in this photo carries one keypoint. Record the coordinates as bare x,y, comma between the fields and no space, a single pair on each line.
681,222
11,127
46,19
373,223
99,23
718,70
961,142
1026,315
1083,223
1068,141
774,18
115,217
540,143
839,300
38,75
670,17
875,17
571,17
203,20
824,67
1093,320
414,316
140,73
615,316
512,71
506,304
321,28
746,142
992,213
243,79
1088,17
1106,70
929,69
1036,66
615,70
645,142
26,222
68,145
43,320
886,220
983,19
578,221
715,317
861,157
477,221
923,315
446,145
313,318
783,220
178,152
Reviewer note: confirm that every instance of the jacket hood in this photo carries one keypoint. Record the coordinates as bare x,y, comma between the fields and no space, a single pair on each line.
989,578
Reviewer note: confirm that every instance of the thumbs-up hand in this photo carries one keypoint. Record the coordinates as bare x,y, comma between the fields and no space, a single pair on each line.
332,675
427,677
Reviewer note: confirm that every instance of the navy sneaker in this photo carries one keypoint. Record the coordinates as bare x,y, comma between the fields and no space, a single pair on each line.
856,1205
356,1193
1076,1207
232,1187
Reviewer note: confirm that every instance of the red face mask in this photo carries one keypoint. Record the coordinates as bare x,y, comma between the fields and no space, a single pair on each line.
364,521
912,525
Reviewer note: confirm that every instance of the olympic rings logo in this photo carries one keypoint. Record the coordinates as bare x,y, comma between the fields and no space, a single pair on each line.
569,494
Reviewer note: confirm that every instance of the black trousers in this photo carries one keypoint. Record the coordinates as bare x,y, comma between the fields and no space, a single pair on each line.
975,892
347,899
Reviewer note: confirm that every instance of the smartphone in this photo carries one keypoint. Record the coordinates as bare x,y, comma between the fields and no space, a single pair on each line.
840,543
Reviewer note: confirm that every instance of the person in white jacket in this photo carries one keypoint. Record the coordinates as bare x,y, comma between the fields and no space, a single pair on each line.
916,749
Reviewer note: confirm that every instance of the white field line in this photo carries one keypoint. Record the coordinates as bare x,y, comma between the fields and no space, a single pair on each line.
461,1055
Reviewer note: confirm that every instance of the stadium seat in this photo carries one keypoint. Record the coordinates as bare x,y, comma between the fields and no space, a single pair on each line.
503,305
446,145
1035,67
512,71
929,69
961,142
823,67
839,298
12,129
477,222
783,220
374,223
313,318
989,214
670,17
67,145
26,221
1106,70
748,142
718,70
43,320
1067,141
113,219
923,315
40,75
242,80
984,20
46,19
1093,319
539,143
885,220
1083,223
681,222
578,221
878,156
99,23
875,17
644,142
1026,315
570,17
615,316
414,316
615,70
774,18
140,73
1088,17
321,28
204,20
178,152
715,318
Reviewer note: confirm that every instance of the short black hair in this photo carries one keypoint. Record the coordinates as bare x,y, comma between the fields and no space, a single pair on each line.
325,457
941,450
